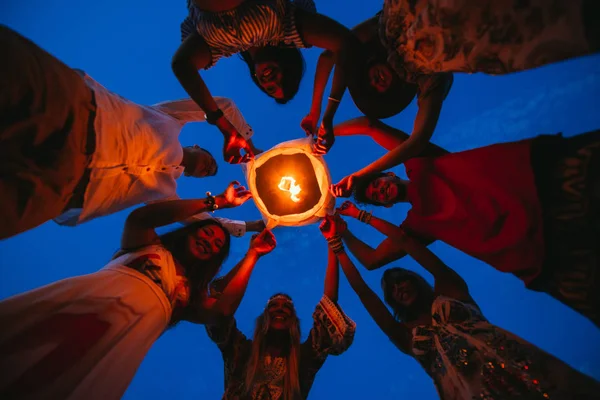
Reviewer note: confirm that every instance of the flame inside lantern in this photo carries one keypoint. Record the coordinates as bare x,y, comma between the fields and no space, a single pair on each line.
288,184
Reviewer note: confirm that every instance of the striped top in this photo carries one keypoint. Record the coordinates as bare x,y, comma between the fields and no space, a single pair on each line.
254,23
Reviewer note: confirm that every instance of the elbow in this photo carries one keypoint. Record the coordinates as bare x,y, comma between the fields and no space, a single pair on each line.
327,55
179,65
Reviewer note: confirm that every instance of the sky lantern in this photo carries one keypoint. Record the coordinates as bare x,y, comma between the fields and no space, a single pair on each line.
290,185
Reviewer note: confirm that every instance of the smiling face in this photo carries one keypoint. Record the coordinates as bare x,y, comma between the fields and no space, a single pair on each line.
270,78
281,313
206,242
380,77
385,190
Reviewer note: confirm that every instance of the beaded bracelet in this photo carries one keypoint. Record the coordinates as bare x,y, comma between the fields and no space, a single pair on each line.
211,202
336,244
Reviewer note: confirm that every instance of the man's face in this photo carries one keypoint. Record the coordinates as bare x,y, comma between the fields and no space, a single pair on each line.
202,163
384,190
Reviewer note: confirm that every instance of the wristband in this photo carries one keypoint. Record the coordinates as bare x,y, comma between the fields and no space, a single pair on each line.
213,116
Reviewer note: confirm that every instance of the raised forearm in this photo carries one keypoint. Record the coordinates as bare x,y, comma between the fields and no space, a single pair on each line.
332,277
338,87
324,68
364,253
168,212
235,286
375,307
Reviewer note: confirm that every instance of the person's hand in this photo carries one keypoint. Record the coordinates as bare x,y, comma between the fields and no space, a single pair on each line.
332,225
263,243
325,138
235,195
344,187
348,209
309,123
234,143
340,226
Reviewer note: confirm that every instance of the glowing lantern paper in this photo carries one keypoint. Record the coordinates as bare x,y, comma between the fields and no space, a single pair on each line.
290,185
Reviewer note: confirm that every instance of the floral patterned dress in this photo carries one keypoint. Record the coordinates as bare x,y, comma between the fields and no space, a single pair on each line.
332,333
469,358
491,36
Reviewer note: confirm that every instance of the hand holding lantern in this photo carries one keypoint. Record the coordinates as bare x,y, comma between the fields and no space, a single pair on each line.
309,124
332,226
234,144
348,209
325,138
344,187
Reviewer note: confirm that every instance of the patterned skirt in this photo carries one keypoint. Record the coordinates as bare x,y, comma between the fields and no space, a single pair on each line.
490,36
567,174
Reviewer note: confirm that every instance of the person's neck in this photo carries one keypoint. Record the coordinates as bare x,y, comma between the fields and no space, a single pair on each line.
186,160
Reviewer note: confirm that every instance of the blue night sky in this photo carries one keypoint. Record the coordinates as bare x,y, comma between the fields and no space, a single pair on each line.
127,46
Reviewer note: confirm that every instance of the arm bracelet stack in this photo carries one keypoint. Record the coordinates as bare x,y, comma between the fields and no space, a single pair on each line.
336,244
364,216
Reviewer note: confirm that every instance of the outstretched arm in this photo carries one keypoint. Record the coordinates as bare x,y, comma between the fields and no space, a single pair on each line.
398,333
389,250
384,135
332,277
386,252
235,283
424,126
192,55
364,33
447,281
140,225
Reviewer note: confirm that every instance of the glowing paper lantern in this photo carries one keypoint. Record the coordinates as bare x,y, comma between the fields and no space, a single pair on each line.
290,185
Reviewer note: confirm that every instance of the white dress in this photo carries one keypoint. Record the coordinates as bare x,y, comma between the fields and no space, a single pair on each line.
84,337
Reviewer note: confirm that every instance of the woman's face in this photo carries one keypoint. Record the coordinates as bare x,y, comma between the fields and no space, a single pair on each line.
403,292
270,77
380,77
206,242
281,314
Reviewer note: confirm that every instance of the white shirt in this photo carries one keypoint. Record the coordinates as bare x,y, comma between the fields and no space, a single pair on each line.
138,155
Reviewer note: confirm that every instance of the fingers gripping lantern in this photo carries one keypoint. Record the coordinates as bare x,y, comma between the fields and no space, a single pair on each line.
290,185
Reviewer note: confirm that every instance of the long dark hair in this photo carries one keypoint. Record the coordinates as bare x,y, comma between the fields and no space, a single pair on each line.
290,61
200,273
397,275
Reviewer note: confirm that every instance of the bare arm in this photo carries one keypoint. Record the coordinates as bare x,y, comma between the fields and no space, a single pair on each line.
398,333
384,135
424,126
193,54
140,224
332,277
326,33
236,281
447,281
372,259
